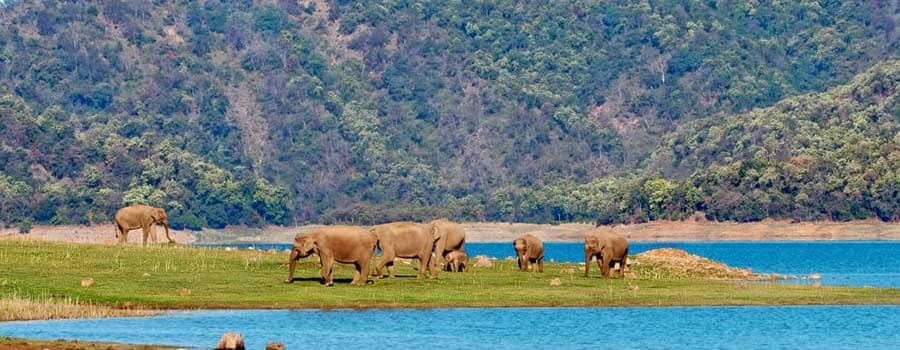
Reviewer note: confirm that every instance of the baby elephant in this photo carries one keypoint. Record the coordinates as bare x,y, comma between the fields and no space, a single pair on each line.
456,261
344,244
529,249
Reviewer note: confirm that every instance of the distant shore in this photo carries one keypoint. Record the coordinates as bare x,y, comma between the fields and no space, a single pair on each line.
657,231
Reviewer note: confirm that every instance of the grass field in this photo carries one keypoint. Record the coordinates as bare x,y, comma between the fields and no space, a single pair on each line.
180,277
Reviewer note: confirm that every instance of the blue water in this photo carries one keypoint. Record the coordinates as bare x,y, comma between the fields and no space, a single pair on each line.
855,263
792,327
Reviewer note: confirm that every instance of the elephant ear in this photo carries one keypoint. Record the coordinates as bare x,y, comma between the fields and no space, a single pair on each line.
435,231
310,244
592,241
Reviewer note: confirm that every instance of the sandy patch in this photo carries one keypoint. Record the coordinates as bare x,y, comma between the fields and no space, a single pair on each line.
505,232
102,234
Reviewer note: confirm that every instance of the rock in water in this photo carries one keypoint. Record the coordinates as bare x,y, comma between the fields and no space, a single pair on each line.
483,261
555,282
275,346
87,282
231,341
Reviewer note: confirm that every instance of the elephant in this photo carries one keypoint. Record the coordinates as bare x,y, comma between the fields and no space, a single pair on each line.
456,261
143,217
405,240
529,249
448,236
344,244
608,248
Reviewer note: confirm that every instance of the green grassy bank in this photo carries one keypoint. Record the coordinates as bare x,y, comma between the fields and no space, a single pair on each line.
178,277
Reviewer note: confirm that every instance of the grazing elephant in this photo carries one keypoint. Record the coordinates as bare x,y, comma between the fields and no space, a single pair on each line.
344,244
456,261
404,240
448,236
143,217
608,248
529,249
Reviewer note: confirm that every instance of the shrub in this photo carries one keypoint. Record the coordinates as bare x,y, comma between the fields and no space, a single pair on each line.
25,226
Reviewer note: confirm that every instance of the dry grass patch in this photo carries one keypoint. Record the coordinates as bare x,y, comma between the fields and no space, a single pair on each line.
678,263
13,308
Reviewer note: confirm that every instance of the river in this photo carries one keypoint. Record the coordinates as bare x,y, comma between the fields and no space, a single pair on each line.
751,327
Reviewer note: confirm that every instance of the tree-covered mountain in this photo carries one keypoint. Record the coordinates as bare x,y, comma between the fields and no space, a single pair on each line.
243,112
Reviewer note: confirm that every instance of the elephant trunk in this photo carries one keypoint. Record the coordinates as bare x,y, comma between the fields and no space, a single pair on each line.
295,255
439,247
587,263
166,226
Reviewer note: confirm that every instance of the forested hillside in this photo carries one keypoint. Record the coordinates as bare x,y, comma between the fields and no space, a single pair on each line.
243,112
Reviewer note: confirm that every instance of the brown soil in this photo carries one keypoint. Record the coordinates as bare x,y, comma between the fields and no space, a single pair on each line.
690,230
27,344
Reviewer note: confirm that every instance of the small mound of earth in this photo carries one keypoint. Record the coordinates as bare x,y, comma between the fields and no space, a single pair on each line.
669,262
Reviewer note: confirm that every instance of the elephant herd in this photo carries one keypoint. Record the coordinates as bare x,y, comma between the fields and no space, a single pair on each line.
437,243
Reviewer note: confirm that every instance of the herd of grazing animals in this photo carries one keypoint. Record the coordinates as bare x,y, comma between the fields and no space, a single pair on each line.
437,243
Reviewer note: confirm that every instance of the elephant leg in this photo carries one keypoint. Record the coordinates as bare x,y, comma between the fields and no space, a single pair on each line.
356,273
153,234
423,266
623,263
540,264
123,234
390,269
327,264
387,257
606,267
363,271
600,266
146,230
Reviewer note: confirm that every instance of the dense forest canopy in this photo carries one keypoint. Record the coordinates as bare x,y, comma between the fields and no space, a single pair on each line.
289,112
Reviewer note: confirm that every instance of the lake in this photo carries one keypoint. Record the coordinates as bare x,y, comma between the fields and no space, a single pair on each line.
854,263
759,327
